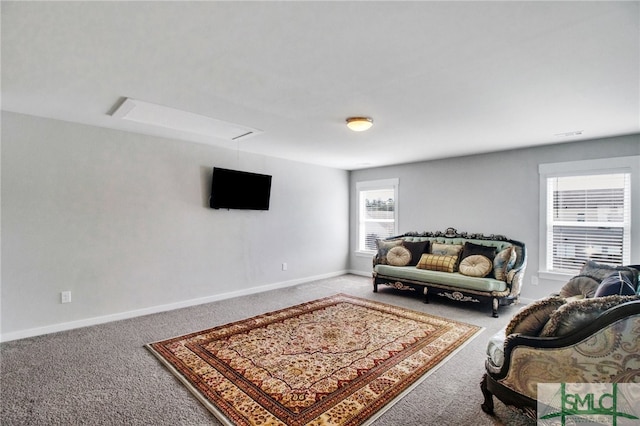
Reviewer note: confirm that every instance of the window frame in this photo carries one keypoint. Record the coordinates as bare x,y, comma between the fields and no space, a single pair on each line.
630,164
372,185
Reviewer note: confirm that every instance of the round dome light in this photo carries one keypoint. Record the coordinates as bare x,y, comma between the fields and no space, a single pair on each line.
359,124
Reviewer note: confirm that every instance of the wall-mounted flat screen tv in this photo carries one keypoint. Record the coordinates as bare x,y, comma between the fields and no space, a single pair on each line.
235,189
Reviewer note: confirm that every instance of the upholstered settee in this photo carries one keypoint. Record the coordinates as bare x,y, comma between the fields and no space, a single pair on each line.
457,265
584,334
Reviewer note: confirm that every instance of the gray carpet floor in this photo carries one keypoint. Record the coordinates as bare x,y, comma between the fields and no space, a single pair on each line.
103,375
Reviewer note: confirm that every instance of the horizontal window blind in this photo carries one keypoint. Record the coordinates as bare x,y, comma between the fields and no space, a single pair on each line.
377,216
572,246
588,219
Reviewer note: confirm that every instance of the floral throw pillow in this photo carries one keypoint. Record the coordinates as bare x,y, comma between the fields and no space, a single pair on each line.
383,248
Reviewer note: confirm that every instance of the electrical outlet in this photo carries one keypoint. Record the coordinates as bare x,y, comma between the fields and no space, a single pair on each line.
284,266
65,297
534,280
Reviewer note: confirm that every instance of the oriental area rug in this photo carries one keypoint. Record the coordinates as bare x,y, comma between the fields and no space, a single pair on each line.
339,360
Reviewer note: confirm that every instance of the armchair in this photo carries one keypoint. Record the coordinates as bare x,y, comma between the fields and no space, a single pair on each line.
564,340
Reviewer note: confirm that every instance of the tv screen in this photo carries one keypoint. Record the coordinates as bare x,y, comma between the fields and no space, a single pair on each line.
235,189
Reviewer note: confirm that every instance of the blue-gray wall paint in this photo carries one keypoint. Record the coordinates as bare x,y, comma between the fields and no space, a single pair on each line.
122,221
496,193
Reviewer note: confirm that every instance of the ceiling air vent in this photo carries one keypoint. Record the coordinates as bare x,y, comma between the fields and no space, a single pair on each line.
175,119
569,134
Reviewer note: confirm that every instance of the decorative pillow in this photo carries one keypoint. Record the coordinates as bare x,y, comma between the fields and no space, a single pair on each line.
600,271
579,285
398,256
630,275
637,268
471,249
475,265
383,248
616,283
503,262
532,318
574,316
434,262
416,248
446,249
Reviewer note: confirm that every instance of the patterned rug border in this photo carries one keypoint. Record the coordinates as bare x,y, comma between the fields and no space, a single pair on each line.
336,297
415,384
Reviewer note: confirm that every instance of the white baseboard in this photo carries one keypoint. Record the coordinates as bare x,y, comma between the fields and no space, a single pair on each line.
361,273
54,328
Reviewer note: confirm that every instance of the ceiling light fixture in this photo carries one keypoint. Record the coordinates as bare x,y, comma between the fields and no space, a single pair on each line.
359,124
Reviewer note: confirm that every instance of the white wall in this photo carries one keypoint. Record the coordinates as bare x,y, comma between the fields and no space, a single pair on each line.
495,193
122,221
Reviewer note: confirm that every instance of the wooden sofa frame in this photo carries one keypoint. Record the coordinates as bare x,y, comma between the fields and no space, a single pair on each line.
498,298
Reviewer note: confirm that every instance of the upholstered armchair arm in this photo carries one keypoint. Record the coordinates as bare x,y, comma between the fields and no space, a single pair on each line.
514,281
515,277
606,351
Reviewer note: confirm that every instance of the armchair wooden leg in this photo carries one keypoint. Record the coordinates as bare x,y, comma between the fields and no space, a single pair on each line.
487,405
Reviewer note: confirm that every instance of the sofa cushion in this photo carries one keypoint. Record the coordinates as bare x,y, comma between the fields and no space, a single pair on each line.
532,318
471,249
615,283
574,316
446,249
504,262
383,248
434,262
416,248
445,279
398,256
476,266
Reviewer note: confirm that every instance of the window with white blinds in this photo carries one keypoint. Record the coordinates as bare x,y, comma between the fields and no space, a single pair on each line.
588,218
377,212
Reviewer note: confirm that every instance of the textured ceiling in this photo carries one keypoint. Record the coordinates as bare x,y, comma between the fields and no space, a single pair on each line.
440,79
